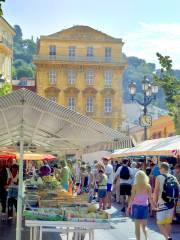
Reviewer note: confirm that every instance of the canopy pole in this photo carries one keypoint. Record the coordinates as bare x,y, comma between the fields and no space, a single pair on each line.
20,188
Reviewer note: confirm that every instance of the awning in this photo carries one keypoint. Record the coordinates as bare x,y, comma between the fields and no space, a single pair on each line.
48,125
157,147
118,152
28,120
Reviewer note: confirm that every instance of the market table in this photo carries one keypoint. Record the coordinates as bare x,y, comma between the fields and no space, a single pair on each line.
78,228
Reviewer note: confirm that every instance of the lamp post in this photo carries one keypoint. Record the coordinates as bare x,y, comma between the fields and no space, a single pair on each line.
150,90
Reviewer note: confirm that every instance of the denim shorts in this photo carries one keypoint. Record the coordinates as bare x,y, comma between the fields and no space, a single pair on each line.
109,187
102,193
139,212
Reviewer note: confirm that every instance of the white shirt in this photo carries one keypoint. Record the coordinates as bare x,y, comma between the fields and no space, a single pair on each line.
134,171
109,173
127,181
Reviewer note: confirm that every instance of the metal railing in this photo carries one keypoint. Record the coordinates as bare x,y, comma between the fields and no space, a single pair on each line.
97,60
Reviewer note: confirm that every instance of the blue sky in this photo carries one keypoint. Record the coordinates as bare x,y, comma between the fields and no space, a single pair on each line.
146,26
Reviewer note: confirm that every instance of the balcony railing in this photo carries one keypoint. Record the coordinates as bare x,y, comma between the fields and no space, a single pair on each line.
97,60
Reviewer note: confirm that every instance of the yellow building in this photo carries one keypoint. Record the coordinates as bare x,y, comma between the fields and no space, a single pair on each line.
6,50
161,128
82,68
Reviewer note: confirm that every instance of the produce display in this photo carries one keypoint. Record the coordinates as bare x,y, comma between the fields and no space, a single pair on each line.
69,213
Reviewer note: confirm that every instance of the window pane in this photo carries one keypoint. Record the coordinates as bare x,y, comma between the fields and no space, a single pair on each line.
72,51
52,76
89,104
52,50
90,52
108,52
108,78
71,77
89,77
108,105
71,103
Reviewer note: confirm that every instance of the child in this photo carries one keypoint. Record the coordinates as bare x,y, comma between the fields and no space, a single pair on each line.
102,188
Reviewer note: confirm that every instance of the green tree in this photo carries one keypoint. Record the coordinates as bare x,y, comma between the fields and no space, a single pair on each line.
171,86
1,11
18,36
6,88
24,71
24,49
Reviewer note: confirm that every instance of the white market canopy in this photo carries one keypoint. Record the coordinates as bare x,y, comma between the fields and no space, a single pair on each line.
157,147
48,125
27,119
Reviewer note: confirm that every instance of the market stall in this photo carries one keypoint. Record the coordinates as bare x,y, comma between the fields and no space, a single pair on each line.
155,147
30,120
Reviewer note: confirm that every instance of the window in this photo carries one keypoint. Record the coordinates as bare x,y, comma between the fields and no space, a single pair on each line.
71,77
108,78
107,105
90,52
108,53
72,51
89,77
52,98
89,104
52,76
52,50
71,103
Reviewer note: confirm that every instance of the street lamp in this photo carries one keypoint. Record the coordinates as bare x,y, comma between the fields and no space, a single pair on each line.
150,90
2,80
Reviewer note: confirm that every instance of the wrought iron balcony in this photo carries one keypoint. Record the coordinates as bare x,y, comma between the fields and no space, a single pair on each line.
83,59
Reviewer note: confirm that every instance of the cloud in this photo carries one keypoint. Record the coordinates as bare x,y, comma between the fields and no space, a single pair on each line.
151,38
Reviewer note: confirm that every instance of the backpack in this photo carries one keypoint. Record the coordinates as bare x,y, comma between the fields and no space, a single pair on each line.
124,173
170,191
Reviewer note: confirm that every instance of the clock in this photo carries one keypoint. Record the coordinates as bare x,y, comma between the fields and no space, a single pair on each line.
145,121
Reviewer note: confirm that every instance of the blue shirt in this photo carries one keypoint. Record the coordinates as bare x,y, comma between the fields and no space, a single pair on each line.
156,171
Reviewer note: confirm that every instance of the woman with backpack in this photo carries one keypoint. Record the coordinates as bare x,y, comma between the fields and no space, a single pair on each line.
166,194
139,201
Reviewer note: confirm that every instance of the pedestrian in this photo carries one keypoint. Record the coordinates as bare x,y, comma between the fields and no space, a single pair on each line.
77,171
134,170
13,190
65,175
125,174
102,188
139,201
109,173
95,173
177,172
4,180
165,195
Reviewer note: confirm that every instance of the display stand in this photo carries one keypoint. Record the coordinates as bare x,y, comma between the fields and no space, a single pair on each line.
37,228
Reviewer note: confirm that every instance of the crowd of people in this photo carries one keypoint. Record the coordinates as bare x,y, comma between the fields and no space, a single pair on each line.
140,189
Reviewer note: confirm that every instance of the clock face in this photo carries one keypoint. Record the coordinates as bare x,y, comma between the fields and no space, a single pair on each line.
145,121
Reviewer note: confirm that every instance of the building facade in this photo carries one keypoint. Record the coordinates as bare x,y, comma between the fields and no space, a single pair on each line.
161,128
6,49
81,68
